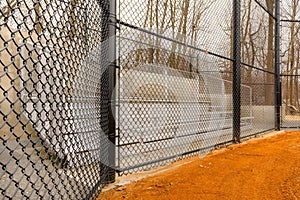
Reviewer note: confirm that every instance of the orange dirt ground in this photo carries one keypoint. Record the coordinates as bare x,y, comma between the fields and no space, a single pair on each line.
262,168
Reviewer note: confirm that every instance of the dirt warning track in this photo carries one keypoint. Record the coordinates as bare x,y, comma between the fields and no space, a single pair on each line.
263,168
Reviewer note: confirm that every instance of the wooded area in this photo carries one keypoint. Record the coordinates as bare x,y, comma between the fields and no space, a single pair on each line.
187,21
291,52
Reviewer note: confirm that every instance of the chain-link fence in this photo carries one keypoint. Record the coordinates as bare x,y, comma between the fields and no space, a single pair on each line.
91,88
176,78
173,99
258,69
53,95
290,114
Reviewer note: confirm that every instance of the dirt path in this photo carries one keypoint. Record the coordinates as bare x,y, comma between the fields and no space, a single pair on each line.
260,169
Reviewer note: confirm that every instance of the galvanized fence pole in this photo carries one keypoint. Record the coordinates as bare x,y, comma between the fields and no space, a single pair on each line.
236,88
277,66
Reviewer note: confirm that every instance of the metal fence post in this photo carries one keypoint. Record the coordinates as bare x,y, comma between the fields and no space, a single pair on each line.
108,82
236,88
277,66
112,83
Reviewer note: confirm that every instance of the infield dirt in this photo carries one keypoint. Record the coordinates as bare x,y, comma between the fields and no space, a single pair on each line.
261,168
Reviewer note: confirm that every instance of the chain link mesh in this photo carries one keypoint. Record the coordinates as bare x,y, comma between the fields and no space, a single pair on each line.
51,129
290,114
173,95
176,79
257,72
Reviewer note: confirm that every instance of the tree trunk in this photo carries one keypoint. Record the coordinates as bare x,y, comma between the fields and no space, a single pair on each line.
296,80
269,94
38,17
6,10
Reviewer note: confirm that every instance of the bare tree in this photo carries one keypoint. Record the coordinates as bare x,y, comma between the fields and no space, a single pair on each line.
173,16
290,84
252,40
38,16
72,19
270,55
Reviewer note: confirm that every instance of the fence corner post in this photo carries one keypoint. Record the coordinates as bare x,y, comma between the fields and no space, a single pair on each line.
236,70
112,49
277,87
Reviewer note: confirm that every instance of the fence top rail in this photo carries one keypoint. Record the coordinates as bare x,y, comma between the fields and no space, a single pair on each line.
172,40
290,20
289,74
265,9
